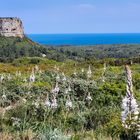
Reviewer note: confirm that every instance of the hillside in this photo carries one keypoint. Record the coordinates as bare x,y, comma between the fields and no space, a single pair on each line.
12,48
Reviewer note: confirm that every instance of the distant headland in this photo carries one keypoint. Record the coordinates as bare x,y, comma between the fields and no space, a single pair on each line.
11,27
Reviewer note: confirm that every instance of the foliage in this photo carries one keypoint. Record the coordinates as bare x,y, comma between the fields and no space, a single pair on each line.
45,99
12,48
23,106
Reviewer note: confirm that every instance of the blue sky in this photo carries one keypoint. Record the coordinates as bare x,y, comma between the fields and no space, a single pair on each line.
75,16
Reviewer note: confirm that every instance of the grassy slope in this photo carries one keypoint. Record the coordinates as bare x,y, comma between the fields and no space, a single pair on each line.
12,41
11,48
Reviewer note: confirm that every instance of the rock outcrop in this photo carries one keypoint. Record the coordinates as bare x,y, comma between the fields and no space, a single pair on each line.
11,27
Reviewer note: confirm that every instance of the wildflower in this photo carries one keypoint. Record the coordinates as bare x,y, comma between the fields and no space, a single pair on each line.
69,88
82,70
24,100
8,108
75,72
54,103
16,121
57,68
56,89
104,66
36,104
47,102
125,108
64,77
66,91
68,103
125,102
89,98
9,77
89,72
134,108
1,78
19,73
29,92
32,77
129,104
57,77
103,79
4,97
36,68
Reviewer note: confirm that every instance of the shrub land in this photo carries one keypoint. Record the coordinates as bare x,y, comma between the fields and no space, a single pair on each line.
74,98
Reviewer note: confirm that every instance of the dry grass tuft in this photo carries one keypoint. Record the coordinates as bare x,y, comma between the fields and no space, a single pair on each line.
6,136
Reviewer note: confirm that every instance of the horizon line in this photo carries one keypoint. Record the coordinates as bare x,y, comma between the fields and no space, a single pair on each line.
83,33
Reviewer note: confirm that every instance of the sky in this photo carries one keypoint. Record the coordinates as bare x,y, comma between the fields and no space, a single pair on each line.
74,16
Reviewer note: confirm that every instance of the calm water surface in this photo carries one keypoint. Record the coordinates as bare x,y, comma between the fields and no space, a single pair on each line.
85,39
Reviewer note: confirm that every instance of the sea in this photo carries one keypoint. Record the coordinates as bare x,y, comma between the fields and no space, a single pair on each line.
86,39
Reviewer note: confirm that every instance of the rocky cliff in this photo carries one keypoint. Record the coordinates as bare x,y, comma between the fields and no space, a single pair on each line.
11,27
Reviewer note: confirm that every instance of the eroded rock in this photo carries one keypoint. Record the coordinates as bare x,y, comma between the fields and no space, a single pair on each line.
11,27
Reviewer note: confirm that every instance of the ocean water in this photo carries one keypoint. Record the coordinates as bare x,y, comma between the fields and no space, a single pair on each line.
85,39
